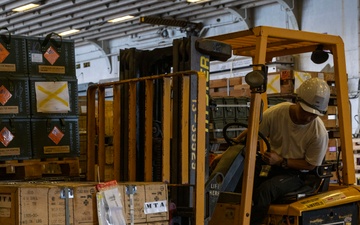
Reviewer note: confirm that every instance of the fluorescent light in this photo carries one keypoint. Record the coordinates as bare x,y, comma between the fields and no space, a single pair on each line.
196,1
120,19
25,7
69,32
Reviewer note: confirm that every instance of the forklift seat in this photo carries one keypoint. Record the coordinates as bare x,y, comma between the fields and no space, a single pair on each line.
316,181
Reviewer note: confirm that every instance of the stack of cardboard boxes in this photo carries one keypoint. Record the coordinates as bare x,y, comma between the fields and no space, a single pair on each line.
74,203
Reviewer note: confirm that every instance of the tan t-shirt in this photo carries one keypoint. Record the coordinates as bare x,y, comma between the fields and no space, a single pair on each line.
291,140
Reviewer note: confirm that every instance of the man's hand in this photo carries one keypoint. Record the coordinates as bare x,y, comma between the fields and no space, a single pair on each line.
272,158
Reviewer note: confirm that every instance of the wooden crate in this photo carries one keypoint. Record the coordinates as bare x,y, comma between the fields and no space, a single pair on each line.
331,118
222,87
38,169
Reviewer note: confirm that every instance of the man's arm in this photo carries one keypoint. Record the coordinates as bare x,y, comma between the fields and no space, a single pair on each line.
272,158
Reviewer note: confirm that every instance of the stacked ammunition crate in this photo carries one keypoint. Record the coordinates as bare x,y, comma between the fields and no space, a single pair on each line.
225,110
15,127
39,108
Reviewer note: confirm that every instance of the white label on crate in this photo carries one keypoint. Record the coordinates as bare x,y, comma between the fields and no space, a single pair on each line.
5,205
331,117
52,97
37,57
155,207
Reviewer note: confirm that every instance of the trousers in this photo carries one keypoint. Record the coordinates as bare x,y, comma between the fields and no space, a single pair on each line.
268,189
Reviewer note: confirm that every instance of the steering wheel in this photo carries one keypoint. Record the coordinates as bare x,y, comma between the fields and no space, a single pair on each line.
235,141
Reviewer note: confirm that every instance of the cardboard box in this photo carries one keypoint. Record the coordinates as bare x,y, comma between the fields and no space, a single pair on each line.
300,77
23,204
286,74
156,197
332,151
331,119
43,203
149,201
287,86
84,202
273,84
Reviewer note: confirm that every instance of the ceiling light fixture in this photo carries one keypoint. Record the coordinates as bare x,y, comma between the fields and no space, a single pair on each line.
25,7
121,19
68,32
196,1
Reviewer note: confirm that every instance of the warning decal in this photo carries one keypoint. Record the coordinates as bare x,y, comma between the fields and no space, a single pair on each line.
3,53
56,135
51,55
5,95
6,136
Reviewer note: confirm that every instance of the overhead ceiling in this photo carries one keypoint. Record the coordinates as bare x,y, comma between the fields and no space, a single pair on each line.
90,17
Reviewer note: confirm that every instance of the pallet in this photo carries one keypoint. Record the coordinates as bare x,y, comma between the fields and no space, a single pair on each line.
39,168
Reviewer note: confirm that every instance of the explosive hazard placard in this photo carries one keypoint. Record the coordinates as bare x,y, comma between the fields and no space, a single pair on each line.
52,97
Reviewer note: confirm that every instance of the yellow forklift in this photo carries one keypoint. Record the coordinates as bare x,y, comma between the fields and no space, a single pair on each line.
185,134
337,205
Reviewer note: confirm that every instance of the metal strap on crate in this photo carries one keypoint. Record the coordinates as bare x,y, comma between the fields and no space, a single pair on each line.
67,193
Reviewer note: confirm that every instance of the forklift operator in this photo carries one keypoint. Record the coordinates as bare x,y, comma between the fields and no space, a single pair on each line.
298,140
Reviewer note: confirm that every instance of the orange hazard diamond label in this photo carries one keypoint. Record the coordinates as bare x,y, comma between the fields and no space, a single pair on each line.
56,135
5,95
51,55
3,53
6,136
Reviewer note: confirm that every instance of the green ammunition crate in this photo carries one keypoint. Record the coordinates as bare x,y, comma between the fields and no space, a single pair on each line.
47,97
55,137
13,56
15,139
14,97
242,108
51,56
229,108
216,112
216,129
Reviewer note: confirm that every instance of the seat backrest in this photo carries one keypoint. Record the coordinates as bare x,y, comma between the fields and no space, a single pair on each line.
231,166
